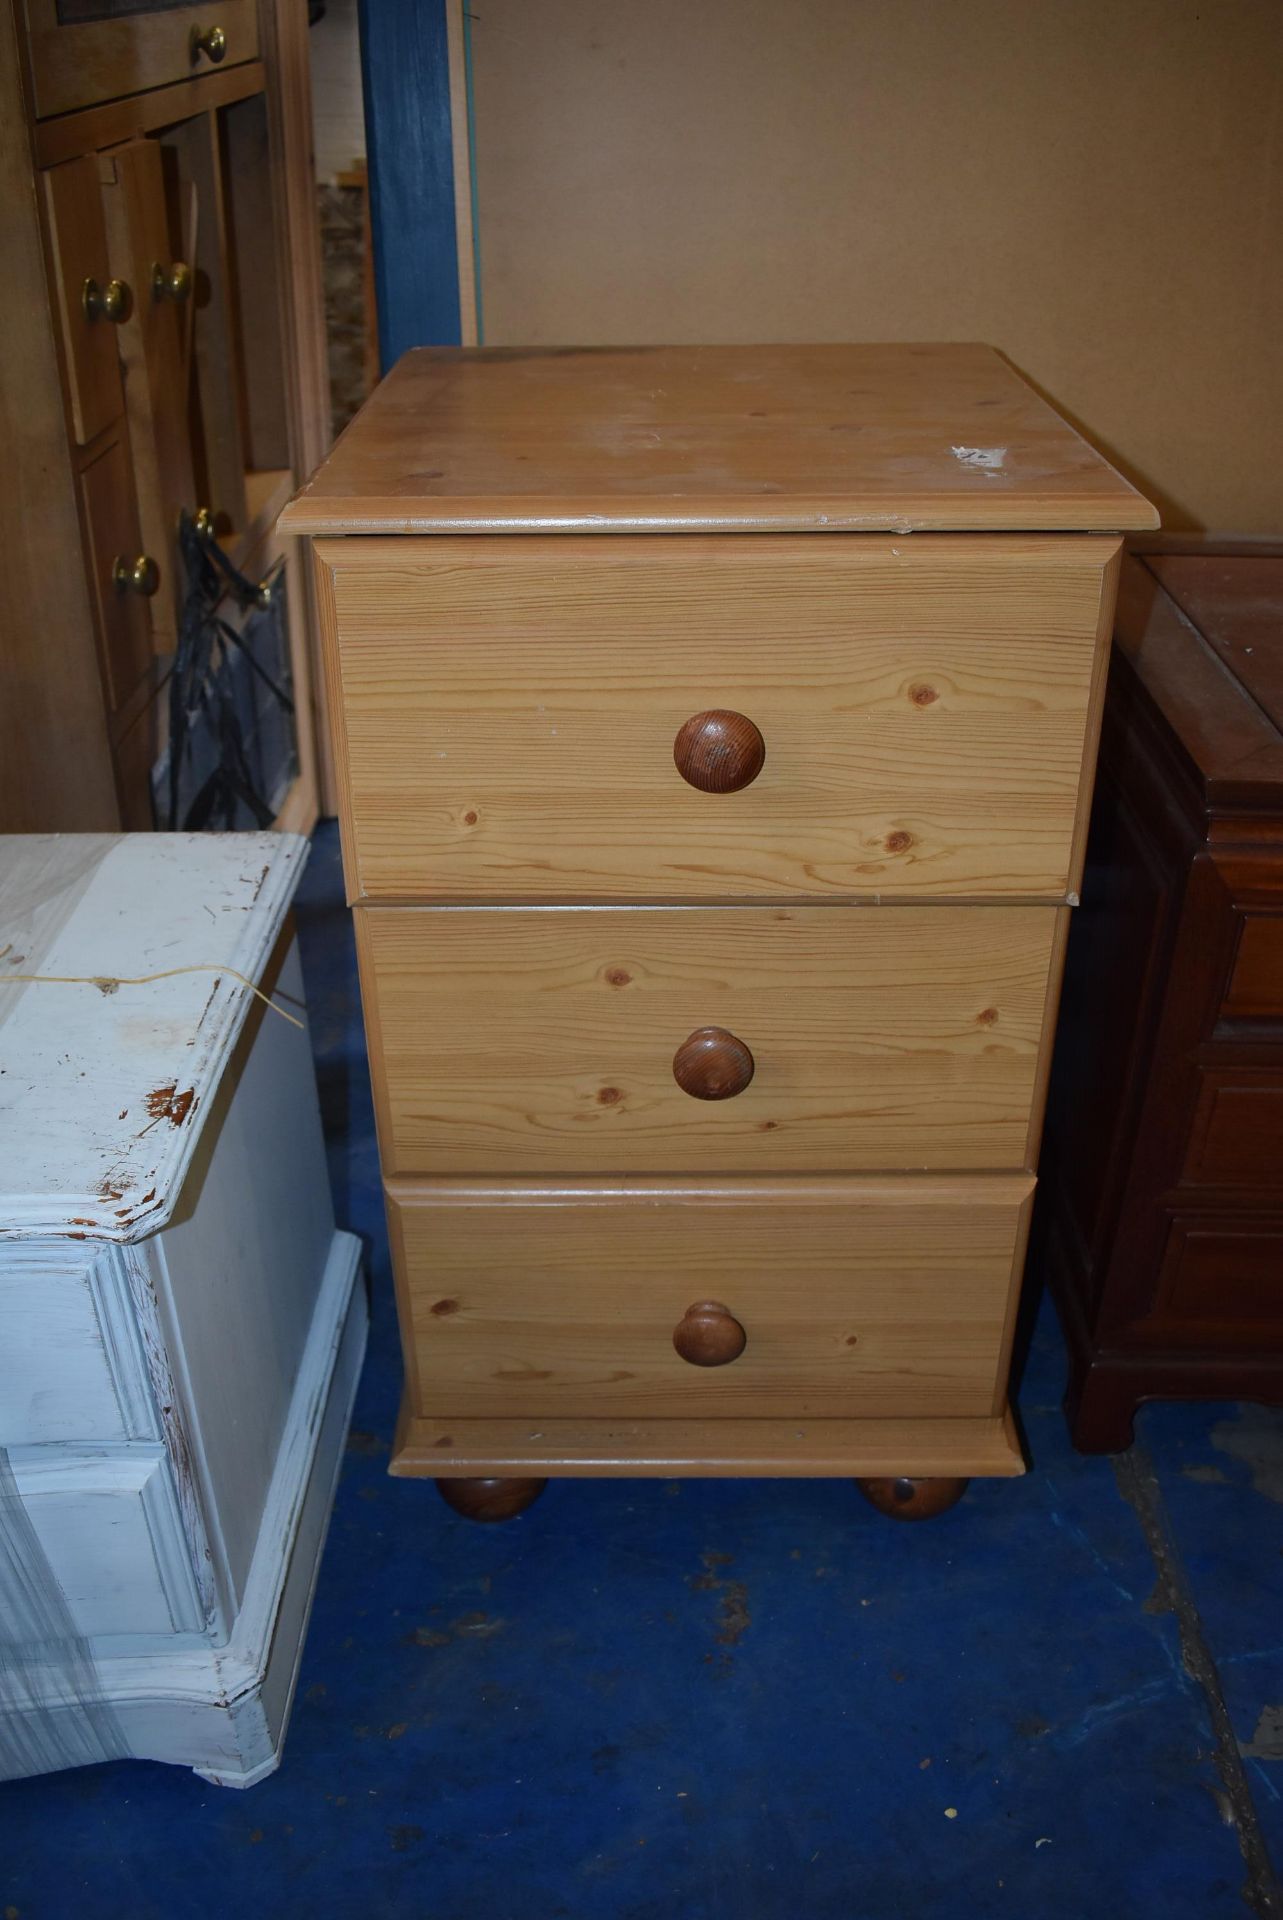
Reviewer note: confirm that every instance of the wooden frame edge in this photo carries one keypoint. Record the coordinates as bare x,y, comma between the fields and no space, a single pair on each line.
976,1447
1109,579
86,129
1047,1035
324,563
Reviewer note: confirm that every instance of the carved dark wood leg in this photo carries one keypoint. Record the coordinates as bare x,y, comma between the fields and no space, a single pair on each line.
906,1499
490,1499
1100,1406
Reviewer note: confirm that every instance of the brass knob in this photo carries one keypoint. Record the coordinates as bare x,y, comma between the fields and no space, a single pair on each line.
211,41
135,576
719,751
172,282
709,1335
204,524
711,1064
105,303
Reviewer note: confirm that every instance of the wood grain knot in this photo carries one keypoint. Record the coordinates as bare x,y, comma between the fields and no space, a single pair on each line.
923,695
712,1064
719,751
899,841
618,976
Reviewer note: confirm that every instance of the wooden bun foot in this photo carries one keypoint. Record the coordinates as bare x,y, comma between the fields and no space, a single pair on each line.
490,1499
906,1499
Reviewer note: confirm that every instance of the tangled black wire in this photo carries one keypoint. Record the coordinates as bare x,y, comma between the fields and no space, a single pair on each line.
200,686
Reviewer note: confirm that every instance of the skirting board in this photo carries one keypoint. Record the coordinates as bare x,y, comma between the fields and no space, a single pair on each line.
223,1710
674,1449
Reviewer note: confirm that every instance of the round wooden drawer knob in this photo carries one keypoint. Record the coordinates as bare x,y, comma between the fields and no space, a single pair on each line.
709,1335
719,751
711,1064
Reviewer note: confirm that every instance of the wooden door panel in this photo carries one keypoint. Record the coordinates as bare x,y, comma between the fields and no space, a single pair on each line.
111,518
88,333
155,346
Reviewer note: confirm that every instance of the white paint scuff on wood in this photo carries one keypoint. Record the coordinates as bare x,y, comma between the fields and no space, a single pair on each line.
134,1065
981,459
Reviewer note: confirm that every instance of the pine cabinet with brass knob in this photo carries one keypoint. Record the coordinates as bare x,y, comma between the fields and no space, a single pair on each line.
83,55
166,350
142,234
713,793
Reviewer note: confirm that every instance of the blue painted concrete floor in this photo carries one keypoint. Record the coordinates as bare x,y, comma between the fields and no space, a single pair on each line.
719,1700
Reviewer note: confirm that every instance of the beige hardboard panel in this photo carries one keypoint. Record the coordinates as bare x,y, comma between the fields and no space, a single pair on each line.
1097,189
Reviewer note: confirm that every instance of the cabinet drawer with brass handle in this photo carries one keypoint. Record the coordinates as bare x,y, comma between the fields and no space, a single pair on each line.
687,718
669,1299
731,1039
81,55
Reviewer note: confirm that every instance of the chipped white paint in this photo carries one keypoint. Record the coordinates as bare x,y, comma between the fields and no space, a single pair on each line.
982,459
134,1067
179,1343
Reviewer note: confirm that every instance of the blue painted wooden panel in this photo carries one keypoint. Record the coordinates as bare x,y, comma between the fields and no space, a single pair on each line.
406,79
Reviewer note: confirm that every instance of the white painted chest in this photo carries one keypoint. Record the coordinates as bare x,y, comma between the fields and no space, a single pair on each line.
180,1326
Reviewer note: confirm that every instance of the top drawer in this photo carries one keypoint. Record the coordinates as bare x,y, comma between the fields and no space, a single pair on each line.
1255,991
84,51
509,709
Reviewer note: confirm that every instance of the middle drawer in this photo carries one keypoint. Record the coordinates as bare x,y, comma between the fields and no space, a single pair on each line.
554,1040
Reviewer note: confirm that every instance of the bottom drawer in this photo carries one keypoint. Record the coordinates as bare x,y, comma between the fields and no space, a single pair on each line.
1220,1283
853,1297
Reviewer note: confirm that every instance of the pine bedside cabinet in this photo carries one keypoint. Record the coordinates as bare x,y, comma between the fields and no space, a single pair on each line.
716,731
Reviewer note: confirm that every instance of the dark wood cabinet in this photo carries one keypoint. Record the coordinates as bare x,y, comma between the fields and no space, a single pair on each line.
1160,1226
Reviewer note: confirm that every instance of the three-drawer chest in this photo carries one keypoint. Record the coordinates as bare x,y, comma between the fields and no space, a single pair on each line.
716,730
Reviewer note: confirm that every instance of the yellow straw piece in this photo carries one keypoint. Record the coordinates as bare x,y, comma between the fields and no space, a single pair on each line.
108,983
